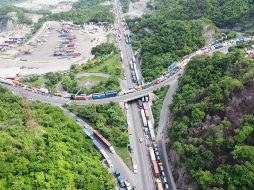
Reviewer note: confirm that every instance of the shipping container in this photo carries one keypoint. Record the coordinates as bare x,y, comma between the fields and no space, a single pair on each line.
155,169
147,85
99,96
145,104
152,134
143,117
6,81
147,114
110,94
152,155
104,141
159,186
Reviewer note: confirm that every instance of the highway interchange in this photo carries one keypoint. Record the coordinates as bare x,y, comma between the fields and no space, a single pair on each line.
144,179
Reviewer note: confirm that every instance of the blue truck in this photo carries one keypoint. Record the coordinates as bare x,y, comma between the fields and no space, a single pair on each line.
117,172
240,40
98,96
111,94
172,66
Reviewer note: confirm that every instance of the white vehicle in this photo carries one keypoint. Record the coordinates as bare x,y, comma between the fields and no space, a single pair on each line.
152,155
140,140
143,117
128,185
78,120
135,168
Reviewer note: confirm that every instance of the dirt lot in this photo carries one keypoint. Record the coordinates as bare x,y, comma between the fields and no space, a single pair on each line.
42,60
137,9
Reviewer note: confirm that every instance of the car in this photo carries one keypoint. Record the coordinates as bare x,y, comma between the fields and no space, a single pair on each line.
127,184
121,181
135,169
140,140
85,126
78,120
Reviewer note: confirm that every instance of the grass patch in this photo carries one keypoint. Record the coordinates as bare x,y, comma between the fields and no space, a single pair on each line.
124,154
36,83
157,104
89,81
111,66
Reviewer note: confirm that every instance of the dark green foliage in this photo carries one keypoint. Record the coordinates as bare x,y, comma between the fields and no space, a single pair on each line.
215,144
22,19
104,49
163,41
125,5
85,11
42,149
225,13
52,79
70,84
108,119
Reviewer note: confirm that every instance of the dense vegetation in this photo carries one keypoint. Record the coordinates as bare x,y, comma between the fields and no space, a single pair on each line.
226,13
110,121
157,104
42,149
49,81
164,41
104,49
213,123
83,11
125,5
22,18
107,60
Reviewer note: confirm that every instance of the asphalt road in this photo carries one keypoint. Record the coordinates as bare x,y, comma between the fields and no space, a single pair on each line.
162,132
116,160
144,177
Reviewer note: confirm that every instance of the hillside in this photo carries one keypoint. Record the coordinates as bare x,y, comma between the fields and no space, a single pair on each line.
211,136
164,41
179,27
228,13
40,148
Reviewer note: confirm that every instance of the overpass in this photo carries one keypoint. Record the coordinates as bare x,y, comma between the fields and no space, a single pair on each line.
120,98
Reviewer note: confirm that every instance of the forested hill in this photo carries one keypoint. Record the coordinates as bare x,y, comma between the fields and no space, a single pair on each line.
179,27
164,41
226,13
212,134
40,148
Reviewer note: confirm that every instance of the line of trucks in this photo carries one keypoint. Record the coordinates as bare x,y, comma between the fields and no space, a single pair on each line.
158,169
104,141
146,115
157,166
95,134
134,72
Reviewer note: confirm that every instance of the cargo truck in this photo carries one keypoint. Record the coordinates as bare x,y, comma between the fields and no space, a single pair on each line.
104,141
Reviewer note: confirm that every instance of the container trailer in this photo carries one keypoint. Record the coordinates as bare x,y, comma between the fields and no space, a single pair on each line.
104,141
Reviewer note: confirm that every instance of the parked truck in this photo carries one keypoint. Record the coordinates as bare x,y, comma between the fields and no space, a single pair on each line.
104,141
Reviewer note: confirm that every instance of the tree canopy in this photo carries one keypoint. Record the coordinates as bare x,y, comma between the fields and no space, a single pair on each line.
213,122
41,148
